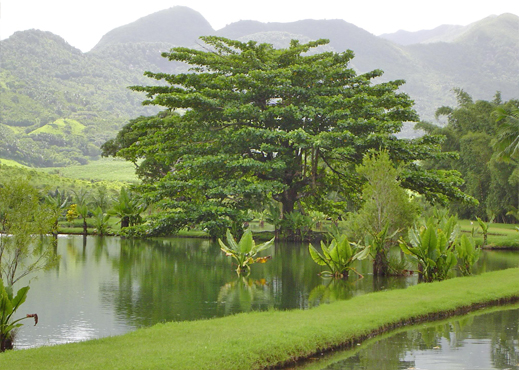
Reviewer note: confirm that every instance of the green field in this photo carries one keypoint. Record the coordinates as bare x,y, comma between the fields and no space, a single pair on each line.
105,169
48,180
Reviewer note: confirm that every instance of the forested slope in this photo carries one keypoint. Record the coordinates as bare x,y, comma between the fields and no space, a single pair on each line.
44,81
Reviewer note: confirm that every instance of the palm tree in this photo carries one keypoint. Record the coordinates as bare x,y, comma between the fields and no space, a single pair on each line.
507,141
57,201
81,199
128,208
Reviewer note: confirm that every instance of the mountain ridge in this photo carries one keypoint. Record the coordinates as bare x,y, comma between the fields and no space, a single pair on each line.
44,79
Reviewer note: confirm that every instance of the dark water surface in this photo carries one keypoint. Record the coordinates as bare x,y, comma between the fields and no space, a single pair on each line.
109,286
487,341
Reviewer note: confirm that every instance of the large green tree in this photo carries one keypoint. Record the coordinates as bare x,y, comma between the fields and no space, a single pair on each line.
249,122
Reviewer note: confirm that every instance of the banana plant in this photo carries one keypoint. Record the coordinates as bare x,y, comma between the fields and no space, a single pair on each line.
433,248
467,254
101,220
8,306
338,257
484,229
244,251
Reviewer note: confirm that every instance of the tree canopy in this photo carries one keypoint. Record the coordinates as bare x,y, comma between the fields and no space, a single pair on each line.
249,123
485,135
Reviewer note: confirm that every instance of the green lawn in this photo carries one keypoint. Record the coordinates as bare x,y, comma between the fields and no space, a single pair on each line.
263,339
499,235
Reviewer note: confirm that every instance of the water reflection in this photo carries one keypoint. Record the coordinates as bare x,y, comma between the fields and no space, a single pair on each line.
109,286
482,341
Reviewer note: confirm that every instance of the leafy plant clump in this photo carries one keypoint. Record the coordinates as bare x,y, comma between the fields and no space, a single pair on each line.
244,251
9,304
338,257
437,248
467,254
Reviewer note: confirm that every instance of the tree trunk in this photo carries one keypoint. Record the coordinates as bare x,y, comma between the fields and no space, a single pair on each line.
380,264
125,222
6,343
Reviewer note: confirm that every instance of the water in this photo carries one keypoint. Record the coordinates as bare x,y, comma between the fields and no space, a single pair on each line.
109,286
488,341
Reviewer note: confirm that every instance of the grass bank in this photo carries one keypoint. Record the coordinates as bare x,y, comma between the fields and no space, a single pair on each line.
500,236
266,339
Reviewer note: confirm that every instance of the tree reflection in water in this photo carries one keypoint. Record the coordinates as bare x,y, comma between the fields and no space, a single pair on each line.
114,285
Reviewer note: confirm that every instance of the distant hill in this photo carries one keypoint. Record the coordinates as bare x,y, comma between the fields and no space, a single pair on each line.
431,70
444,33
180,26
44,80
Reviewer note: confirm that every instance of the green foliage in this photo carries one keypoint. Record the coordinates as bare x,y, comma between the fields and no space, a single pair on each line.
484,229
507,140
379,244
57,202
244,251
9,304
433,245
483,133
24,247
128,207
467,254
101,221
24,224
252,123
338,257
47,182
387,209
296,225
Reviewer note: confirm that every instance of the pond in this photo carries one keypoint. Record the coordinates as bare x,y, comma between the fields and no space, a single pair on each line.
109,286
487,341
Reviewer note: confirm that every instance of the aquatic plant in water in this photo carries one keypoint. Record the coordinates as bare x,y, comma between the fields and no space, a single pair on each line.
338,256
244,251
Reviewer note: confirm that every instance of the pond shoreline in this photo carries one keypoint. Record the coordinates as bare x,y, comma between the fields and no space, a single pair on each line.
275,339
387,329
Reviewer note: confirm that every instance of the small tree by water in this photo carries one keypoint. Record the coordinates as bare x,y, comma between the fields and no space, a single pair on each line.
386,211
25,248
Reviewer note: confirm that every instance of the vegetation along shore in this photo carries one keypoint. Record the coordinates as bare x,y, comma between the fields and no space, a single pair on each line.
271,339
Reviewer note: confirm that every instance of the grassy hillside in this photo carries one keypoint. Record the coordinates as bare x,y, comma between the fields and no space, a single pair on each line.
45,82
61,127
52,181
101,170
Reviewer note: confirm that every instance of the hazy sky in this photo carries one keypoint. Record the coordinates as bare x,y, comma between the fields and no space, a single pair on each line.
83,23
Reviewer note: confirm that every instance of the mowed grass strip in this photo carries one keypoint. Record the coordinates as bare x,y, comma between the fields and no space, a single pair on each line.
264,339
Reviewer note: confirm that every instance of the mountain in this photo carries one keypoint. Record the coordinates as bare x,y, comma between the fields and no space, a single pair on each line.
43,80
442,33
176,26
47,85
